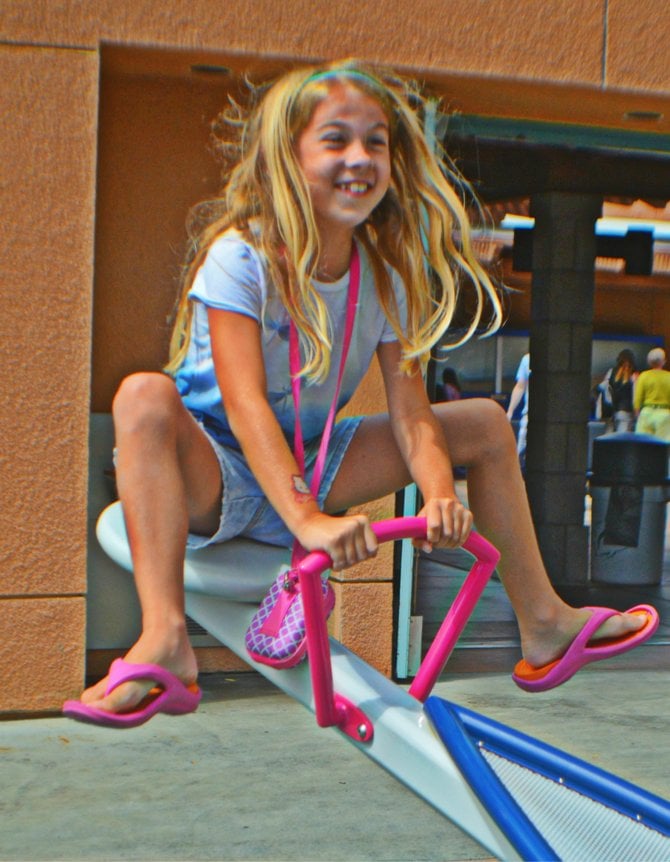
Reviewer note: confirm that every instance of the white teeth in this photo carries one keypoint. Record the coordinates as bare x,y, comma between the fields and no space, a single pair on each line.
355,187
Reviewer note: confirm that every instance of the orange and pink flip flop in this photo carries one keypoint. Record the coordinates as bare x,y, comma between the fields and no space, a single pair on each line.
582,650
170,696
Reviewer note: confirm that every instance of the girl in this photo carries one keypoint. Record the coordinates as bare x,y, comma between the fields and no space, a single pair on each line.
331,163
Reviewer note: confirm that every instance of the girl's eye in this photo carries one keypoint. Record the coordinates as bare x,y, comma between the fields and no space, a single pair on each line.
378,142
333,139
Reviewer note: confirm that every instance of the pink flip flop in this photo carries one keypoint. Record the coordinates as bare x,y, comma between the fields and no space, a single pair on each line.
170,696
581,652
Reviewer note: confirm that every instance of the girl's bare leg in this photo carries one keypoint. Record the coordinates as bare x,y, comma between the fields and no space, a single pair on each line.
169,481
480,438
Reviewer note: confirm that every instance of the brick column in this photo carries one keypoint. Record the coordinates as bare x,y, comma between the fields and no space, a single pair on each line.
564,250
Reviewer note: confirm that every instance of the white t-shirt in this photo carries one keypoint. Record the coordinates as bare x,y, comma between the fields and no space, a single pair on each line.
233,277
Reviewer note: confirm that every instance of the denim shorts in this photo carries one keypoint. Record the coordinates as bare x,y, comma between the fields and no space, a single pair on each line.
245,510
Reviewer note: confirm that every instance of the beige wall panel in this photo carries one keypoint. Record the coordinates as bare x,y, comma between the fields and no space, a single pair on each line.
154,163
364,622
379,568
643,311
41,653
638,35
561,41
47,153
634,311
621,304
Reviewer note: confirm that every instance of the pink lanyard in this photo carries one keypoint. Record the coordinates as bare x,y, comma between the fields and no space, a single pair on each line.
294,367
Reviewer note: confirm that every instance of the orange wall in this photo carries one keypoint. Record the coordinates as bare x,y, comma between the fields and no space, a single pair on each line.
153,165
611,43
59,229
47,153
638,310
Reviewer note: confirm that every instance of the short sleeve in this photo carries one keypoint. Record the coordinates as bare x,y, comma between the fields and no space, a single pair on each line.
231,278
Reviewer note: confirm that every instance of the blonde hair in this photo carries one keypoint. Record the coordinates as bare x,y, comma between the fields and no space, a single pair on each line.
413,229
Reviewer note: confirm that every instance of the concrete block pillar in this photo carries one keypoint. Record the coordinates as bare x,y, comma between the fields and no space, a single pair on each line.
564,251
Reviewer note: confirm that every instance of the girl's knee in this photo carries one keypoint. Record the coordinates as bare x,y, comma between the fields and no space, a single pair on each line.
145,398
499,434
483,415
492,435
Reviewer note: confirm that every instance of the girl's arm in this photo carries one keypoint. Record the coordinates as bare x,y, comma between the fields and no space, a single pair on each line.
423,446
240,372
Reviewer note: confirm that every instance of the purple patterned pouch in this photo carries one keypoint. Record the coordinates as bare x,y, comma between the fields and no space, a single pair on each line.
276,635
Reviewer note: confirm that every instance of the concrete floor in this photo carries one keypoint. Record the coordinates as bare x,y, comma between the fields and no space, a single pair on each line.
251,777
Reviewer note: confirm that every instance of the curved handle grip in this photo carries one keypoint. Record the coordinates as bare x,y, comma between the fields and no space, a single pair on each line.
317,562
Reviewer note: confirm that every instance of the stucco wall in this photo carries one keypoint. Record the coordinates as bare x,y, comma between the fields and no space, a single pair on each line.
616,43
47,152
49,58
457,34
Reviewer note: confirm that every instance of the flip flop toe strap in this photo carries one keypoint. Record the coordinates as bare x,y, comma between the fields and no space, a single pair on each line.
607,647
560,669
174,694
580,643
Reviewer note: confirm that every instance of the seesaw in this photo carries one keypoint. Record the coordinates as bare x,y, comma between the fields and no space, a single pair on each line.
516,796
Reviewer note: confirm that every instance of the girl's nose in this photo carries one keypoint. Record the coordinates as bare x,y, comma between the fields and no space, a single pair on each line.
357,155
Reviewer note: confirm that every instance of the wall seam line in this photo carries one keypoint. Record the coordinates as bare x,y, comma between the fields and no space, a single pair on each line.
603,70
86,49
40,596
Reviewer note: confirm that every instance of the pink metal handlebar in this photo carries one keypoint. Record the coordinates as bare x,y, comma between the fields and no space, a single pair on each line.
317,562
331,709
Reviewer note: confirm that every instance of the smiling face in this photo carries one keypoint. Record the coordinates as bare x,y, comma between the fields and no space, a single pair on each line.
345,157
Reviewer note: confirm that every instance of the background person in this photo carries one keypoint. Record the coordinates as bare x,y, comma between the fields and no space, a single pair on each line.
652,397
519,392
450,388
617,389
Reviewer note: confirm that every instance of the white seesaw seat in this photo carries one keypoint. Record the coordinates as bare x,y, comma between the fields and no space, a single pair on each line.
239,571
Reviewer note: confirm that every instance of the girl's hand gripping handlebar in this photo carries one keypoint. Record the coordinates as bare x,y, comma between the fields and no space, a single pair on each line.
317,562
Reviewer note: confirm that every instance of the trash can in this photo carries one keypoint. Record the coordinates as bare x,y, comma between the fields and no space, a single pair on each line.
629,489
